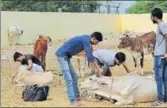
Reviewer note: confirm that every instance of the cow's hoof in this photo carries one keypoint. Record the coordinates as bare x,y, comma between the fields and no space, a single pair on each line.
113,101
98,97
118,103
84,93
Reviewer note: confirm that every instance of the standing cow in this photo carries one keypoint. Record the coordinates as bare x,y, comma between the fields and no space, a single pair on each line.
14,33
129,89
40,48
137,45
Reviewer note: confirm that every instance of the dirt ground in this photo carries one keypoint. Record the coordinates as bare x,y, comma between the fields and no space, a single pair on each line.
11,94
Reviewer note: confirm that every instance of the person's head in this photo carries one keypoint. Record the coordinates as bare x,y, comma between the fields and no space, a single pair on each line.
120,58
96,37
18,57
156,14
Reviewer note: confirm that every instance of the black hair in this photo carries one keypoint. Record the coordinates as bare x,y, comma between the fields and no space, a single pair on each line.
17,55
121,57
97,35
157,12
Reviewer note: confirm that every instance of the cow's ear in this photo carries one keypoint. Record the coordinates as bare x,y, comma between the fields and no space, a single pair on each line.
137,36
40,36
126,35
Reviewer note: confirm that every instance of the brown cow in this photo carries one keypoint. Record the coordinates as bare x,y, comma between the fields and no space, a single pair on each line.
40,48
137,44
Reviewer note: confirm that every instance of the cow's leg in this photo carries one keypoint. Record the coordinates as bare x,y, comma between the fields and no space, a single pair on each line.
83,69
9,39
128,89
124,100
42,62
17,39
142,62
135,64
78,65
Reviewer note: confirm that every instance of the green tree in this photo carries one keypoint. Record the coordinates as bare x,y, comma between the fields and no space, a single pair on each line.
49,5
146,6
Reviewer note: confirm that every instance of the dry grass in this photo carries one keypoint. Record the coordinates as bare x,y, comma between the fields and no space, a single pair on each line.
11,94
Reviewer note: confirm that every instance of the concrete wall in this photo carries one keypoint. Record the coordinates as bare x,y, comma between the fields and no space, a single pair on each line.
56,25
61,25
138,22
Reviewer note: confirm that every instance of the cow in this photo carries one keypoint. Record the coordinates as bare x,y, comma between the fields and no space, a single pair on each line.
14,33
25,77
82,58
128,89
137,45
40,48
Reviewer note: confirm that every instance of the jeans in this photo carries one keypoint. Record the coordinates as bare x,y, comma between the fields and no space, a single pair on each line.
160,71
70,77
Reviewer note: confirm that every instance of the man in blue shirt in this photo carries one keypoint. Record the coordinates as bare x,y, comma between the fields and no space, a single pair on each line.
64,54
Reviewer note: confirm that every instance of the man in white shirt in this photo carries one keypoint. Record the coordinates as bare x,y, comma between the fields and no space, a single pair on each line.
108,58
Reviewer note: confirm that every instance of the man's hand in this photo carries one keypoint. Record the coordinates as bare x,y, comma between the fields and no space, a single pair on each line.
27,68
165,56
100,71
29,64
126,68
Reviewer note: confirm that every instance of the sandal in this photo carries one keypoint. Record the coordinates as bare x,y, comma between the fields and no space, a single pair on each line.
156,103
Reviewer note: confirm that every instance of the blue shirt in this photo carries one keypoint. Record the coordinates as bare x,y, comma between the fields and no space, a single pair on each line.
76,45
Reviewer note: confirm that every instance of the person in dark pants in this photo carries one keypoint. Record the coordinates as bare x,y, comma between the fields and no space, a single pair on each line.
64,55
160,53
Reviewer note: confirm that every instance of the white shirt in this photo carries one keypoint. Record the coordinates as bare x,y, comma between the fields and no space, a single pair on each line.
105,56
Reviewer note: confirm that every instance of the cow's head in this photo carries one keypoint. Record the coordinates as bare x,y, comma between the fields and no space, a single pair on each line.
124,41
96,82
21,32
49,40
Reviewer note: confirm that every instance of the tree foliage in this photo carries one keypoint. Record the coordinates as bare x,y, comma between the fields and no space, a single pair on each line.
50,5
146,6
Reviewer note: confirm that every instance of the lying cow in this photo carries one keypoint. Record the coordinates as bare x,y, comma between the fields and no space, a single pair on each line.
129,89
14,33
25,77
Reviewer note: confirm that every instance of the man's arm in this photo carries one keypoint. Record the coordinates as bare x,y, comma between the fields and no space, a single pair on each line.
91,60
163,30
29,64
126,68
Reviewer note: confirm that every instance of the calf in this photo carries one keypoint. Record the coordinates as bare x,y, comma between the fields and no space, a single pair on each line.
40,48
129,89
14,33
82,58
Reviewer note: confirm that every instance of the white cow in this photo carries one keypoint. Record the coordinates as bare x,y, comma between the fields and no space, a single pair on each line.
25,77
14,33
129,89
